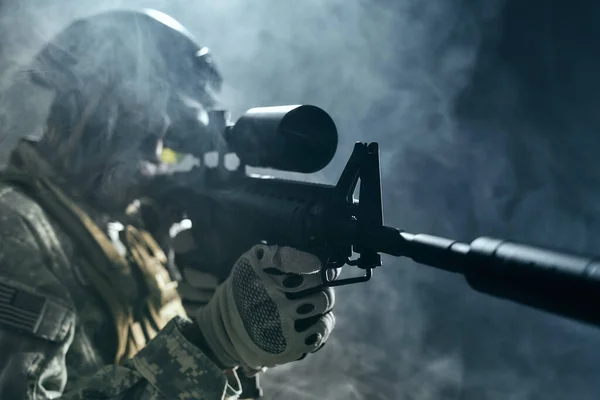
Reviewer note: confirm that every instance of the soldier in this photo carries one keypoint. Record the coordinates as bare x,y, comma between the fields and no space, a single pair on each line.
88,305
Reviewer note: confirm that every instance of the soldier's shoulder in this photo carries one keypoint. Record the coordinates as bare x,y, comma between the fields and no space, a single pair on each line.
22,214
24,225
14,203
32,298
27,245
16,209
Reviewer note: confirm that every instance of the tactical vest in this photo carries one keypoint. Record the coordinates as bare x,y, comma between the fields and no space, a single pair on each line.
110,272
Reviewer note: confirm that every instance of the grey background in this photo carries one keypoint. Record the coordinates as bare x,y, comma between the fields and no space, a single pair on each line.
487,113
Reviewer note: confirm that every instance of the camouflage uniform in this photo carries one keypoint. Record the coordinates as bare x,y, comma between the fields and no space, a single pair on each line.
58,335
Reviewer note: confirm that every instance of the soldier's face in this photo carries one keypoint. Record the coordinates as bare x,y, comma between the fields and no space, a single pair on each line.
135,134
133,160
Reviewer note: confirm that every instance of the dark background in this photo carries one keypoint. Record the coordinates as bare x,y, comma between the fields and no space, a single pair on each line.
488,116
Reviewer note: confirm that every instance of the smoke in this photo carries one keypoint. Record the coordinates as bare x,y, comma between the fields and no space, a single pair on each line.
463,155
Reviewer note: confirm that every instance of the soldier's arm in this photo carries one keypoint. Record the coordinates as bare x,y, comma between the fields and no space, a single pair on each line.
169,367
37,324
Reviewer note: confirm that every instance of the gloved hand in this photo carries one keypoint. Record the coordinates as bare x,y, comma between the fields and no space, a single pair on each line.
250,322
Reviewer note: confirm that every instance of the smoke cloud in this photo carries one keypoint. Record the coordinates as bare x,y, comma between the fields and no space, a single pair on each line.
464,154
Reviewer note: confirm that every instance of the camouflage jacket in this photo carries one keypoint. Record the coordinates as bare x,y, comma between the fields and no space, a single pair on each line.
57,337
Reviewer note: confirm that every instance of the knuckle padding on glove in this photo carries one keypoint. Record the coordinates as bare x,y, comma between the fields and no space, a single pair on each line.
313,304
292,281
258,312
296,284
320,347
304,324
305,308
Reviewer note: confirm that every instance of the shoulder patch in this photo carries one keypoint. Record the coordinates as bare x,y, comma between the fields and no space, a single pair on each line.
32,313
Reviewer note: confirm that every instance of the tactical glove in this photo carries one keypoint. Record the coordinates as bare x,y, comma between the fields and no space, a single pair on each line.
252,322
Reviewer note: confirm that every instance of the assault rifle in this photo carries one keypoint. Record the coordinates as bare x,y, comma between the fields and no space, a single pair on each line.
231,210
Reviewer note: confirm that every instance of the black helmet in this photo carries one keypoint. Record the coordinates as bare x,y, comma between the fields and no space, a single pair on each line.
125,45
118,79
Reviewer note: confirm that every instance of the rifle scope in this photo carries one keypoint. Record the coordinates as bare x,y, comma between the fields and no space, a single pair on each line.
297,138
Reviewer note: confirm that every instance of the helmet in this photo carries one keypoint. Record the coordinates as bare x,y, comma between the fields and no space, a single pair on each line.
119,79
129,62
125,46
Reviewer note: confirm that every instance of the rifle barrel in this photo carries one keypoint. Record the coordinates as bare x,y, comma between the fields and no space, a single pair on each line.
550,280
